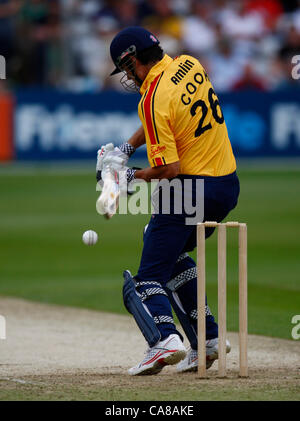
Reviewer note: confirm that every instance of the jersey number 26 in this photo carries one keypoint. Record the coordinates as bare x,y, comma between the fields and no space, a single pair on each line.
214,104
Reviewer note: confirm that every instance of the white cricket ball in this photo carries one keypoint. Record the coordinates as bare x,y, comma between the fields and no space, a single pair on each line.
90,237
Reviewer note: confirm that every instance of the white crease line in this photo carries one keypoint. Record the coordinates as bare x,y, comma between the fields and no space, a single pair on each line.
19,381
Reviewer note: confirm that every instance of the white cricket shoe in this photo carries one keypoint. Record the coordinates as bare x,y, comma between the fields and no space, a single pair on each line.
190,363
167,352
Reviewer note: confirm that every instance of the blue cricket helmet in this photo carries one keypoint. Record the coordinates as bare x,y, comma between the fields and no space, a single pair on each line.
133,39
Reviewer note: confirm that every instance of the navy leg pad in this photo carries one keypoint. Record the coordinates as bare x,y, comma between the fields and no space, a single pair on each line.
184,321
134,306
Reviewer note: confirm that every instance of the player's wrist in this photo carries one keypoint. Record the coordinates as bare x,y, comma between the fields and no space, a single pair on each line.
127,149
130,174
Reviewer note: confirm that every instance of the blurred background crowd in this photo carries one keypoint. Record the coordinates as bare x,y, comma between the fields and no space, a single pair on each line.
65,43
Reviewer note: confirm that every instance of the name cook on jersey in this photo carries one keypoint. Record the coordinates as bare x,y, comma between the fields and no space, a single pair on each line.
183,70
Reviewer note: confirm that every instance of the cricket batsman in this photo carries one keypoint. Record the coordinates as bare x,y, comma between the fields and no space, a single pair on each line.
186,137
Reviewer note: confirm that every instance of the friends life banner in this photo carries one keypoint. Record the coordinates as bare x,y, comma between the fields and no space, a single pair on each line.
51,125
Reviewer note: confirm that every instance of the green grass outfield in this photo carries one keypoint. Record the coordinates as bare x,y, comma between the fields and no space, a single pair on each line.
45,210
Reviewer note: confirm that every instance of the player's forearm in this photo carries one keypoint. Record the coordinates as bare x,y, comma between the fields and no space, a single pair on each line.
138,138
158,173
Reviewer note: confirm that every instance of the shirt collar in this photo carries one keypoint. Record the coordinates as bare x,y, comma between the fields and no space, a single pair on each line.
156,70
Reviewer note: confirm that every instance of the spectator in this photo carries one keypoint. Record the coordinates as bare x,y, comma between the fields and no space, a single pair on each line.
198,34
249,80
289,49
8,12
65,43
270,10
296,19
38,32
242,24
164,22
291,45
224,67
93,51
289,5
125,12
242,27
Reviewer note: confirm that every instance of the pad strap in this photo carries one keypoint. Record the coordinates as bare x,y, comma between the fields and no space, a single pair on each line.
182,279
163,319
155,289
194,313
152,291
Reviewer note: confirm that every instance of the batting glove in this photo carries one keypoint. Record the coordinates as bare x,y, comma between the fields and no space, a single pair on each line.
118,158
126,178
114,157
101,154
